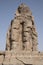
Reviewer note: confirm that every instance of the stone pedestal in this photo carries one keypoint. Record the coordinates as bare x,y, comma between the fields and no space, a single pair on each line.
23,58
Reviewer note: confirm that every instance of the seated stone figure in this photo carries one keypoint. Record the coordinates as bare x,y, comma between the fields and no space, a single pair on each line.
22,32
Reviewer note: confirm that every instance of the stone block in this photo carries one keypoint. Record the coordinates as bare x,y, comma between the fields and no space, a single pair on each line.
28,24
15,24
15,35
14,45
1,59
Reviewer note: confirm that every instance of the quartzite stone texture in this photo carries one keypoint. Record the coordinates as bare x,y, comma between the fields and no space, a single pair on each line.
22,32
21,40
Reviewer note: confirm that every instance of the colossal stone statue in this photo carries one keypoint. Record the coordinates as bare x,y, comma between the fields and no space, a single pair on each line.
21,40
22,33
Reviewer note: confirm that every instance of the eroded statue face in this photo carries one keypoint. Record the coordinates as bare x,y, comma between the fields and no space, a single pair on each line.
23,9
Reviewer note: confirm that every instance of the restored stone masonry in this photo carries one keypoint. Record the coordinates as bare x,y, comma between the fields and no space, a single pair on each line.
21,40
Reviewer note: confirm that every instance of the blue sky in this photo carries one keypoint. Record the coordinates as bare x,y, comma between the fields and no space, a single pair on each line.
7,11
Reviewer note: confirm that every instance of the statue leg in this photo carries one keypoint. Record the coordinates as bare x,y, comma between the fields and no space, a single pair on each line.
27,35
15,34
